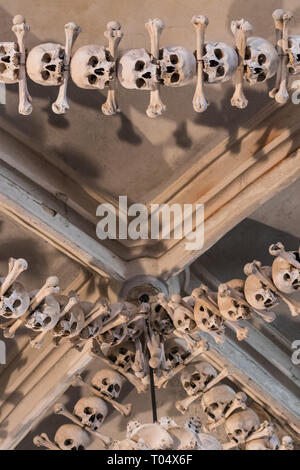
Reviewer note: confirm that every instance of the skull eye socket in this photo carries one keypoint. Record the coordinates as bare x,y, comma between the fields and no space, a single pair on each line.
261,77
230,313
93,61
79,448
87,410
46,58
286,277
139,66
117,388
68,442
175,77
92,79
2,67
220,71
259,297
99,417
248,53
45,75
144,298
262,59
290,43
196,377
174,59
214,406
140,83
47,320
210,313
219,54
238,432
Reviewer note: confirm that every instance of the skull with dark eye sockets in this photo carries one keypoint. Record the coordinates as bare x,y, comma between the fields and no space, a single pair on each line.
108,382
9,62
219,62
177,66
261,60
92,67
136,70
45,64
91,411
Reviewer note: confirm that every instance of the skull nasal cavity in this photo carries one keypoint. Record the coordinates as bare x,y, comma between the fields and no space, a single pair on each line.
99,71
213,63
52,68
6,59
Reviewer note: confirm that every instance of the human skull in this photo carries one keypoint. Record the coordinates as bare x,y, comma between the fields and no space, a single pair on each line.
45,64
160,320
135,329
183,321
91,411
71,323
220,62
257,294
285,276
137,71
92,67
114,336
294,54
14,302
122,356
108,382
71,437
217,401
207,320
152,436
195,377
178,66
240,425
231,308
176,351
45,316
91,330
261,60
9,62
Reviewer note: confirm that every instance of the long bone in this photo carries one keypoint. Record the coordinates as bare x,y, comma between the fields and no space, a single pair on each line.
240,29
60,409
114,35
269,317
255,268
277,249
50,287
200,103
154,347
72,301
15,268
139,366
239,402
167,376
266,430
155,28
282,96
61,105
20,28
43,441
278,21
183,405
124,410
138,384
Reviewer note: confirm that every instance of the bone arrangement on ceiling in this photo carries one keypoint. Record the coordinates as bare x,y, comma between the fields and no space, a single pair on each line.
252,59
149,341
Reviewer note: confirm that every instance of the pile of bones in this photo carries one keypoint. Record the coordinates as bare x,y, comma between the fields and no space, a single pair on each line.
250,59
161,333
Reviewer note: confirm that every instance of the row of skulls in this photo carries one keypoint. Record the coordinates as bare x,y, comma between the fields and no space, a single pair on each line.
220,403
252,59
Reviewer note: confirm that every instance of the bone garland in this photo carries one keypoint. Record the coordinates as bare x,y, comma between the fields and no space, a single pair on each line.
44,441
20,28
255,268
184,404
124,410
155,28
114,36
60,409
240,30
199,101
60,106
50,287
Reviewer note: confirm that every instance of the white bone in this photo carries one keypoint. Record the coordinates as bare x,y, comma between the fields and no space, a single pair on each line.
155,28
153,345
20,28
277,249
124,410
139,366
240,30
240,331
44,441
50,287
60,106
60,409
71,437
255,268
15,268
278,21
282,96
239,402
114,35
266,430
287,443
199,101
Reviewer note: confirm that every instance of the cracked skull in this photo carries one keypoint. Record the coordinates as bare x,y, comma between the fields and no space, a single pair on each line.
257,294
108,382
217,401
71,437
45,316
91,411
261,60
231,308
294,54
195,377
14,302
285,276
9,62
45,64
240,425
137,71
92,67
177,66
220,62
